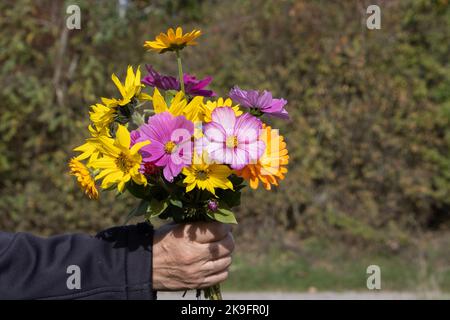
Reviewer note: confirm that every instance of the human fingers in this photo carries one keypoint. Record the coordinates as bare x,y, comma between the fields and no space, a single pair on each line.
218,249
216,266
206,232
214,279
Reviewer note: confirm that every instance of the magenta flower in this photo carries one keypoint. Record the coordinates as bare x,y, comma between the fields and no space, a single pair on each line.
233,140
192,86
170,143
147,168
259,102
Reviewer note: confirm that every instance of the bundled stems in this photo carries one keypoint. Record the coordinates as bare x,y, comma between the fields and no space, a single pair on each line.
180,70
213,293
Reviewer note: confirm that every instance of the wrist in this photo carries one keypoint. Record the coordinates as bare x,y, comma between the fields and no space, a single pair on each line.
157,262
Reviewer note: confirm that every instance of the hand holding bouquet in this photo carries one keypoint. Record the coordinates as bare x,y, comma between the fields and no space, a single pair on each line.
182,151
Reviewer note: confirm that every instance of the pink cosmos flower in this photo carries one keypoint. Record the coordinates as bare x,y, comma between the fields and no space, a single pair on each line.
171,145
233,140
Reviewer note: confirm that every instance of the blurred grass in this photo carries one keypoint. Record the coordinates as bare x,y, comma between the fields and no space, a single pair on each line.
322,265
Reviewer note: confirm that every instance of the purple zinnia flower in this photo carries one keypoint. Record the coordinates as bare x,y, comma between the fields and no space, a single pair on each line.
260,102
233,140
192,86
170,143
155,79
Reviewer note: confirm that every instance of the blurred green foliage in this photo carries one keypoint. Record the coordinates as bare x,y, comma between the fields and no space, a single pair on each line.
370,133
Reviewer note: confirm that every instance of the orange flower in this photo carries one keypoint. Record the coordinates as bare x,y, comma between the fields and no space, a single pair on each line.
271,167
84,178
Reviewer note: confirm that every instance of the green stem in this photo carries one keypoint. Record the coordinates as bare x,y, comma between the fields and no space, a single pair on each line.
164,185
213,293
197,196
180,70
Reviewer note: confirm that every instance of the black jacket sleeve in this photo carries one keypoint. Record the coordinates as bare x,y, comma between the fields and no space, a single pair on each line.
116,264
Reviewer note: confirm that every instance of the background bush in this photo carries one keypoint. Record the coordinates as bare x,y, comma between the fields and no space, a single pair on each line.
370,133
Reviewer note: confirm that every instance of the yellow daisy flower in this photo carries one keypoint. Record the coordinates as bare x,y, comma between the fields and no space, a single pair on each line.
90,148
102,115
84,178
178,106
206,176
131,88
272,166
119,163
194,110
209,107
173,40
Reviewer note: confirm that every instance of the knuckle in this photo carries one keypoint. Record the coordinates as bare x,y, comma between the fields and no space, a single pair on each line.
231,244
191,277
189,258
219,229
198,252
212,266
228,244
208,267
214,250
201,283
228,262
188,273
224,276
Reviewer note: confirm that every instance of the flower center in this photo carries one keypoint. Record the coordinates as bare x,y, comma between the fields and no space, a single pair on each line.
150,169
124,162
232,142
255,111
202,174
169,147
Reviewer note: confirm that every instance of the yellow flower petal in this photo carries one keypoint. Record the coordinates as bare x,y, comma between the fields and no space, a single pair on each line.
123,137
206,176
190,187
172,40
139,179
137,146
118,84
159,104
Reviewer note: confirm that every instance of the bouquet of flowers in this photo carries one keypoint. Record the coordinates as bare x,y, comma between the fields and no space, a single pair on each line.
181,150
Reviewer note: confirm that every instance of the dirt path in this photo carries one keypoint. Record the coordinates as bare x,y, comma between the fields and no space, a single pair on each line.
312,296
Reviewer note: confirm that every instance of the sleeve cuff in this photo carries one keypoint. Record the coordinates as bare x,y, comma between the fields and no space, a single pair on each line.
138,263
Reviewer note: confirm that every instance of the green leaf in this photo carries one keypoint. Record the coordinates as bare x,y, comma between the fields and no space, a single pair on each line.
138,118
177,214
139,191
169,95
158,193
235,180
140,210
156,208
229,198
223,215
176,203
